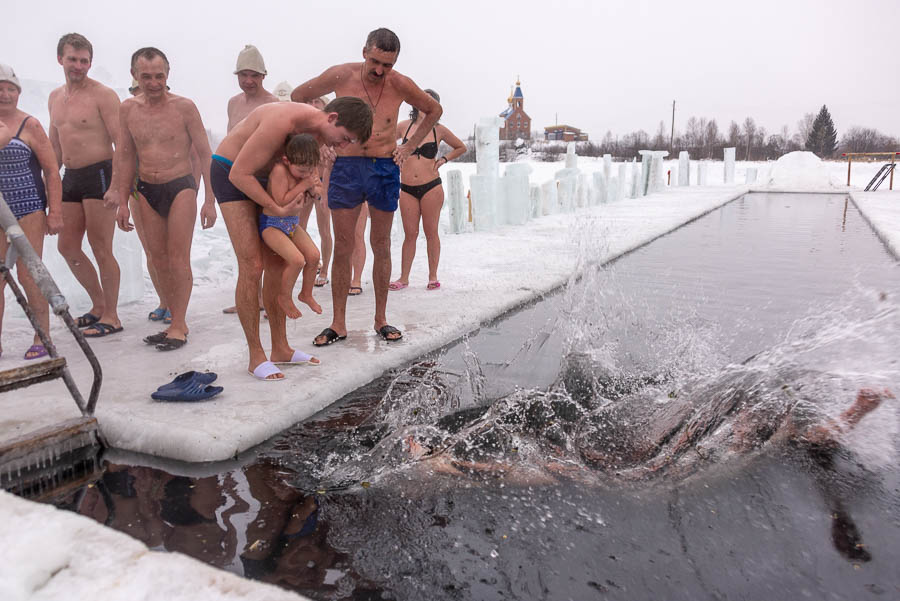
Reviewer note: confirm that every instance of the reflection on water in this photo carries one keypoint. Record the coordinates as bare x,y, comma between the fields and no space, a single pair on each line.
709,417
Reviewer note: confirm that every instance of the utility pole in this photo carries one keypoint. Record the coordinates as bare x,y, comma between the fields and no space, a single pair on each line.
672,136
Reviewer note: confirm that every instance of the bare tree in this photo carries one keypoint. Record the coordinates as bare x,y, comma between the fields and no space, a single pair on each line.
749,135
804,126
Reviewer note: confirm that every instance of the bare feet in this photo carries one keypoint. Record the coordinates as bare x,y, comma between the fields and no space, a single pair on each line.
310,302
287,305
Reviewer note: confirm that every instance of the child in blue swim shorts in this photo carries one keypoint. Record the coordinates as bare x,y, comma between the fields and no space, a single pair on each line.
295,175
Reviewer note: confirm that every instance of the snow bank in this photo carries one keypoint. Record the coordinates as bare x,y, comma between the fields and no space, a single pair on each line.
54,554
801,170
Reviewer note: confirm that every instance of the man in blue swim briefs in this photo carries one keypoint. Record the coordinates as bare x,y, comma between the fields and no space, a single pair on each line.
158,131
370,171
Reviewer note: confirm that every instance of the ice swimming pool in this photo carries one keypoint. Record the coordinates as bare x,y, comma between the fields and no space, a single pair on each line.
529,461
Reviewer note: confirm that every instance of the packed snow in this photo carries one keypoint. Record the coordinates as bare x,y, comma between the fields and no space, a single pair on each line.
49,553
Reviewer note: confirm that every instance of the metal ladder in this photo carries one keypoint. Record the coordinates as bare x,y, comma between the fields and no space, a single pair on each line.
883,173
29,453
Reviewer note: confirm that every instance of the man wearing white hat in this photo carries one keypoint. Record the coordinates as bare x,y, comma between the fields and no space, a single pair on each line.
250,70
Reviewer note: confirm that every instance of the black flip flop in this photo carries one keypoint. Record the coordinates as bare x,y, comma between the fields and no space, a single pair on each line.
385,331
86,320
102,329
155,338
330,337
352,288
171,344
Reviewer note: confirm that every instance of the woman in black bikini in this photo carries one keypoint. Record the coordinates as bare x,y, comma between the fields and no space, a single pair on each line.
421,195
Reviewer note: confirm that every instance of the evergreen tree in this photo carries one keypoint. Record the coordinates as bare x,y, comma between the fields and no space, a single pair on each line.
822,138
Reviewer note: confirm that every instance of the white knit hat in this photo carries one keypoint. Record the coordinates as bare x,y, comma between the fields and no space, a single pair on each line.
250,59
7,74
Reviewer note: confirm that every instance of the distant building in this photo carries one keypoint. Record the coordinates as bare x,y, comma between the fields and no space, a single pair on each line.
566,133
516,123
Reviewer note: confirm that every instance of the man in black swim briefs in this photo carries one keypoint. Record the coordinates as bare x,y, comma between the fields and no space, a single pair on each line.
84,125
368,172
158,130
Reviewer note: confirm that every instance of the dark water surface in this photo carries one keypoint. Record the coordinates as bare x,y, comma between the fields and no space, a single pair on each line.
672,426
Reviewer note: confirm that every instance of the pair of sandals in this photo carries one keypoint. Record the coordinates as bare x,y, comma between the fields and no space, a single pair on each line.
89,321
388,333
265,370
162,342
398,285
160,314
190,386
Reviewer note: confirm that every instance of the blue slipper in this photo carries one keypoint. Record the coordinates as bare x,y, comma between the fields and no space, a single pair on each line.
181,380
157,314
191,390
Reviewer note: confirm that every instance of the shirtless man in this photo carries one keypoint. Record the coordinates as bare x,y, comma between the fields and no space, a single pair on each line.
251,71
242,162
84,125
369,172
158,130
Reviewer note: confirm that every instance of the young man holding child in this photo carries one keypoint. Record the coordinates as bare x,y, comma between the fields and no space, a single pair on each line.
239,168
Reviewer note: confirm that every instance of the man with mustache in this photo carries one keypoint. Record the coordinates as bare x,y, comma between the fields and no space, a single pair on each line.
368,172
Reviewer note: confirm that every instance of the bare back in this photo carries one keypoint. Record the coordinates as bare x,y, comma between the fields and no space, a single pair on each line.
161,138
84,123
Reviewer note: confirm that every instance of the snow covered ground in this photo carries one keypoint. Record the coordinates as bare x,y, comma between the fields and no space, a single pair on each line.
49,553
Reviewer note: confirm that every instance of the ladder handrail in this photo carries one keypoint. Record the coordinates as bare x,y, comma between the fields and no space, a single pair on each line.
19,247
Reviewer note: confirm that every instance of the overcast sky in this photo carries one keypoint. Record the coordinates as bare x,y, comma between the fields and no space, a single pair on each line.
598,65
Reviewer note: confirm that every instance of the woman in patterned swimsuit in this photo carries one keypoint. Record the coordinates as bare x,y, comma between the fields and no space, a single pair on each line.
422,196
23,160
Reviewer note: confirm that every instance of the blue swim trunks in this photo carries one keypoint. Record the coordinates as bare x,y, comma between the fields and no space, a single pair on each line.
285,224
358,179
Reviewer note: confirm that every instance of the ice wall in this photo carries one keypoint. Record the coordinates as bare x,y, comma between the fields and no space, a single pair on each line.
599,191
457,204
751,175
571,157
701,173
684,168
516,194
485,187
729,165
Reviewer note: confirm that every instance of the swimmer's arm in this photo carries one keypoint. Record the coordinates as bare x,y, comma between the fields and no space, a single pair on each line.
457,145
317,87
254,155
108,103
5,134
